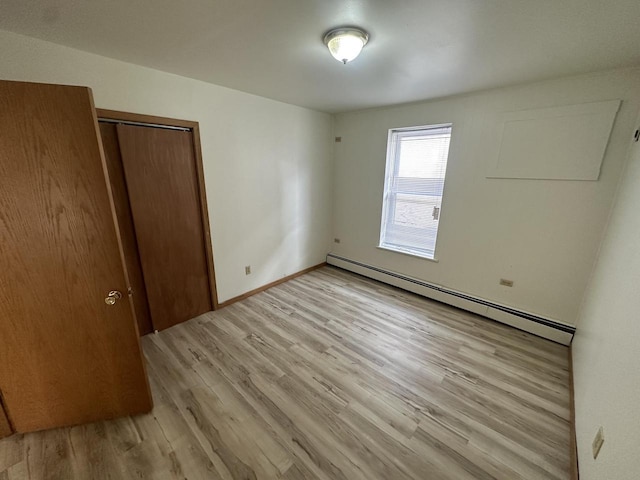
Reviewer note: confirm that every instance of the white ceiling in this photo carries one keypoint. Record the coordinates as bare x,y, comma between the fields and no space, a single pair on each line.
419,49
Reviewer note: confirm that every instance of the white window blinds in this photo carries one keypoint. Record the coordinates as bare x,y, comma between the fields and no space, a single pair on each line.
416,167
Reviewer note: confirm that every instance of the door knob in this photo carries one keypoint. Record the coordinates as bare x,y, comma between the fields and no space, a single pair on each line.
113,297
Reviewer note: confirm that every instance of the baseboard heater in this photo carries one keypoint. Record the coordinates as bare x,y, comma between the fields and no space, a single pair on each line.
543,327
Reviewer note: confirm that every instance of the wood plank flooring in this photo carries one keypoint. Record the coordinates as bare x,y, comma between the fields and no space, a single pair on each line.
328,376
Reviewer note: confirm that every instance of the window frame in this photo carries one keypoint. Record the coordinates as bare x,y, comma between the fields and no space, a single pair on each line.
392,166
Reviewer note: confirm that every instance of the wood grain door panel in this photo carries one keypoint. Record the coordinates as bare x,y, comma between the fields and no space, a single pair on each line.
66,357
163,191
125,223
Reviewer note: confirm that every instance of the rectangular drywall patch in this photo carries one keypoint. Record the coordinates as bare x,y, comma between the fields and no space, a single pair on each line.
557,143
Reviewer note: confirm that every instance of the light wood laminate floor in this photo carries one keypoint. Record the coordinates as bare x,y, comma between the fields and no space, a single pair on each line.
328,376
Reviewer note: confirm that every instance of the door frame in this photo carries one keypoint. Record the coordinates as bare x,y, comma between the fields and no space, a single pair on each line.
106,114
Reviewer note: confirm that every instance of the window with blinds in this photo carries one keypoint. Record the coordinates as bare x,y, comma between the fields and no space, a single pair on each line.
414,182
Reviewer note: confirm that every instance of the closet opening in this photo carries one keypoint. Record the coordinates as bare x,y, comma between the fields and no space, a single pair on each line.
155,170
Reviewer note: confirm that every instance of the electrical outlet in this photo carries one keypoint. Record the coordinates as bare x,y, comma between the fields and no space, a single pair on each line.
597,443
336,240
506,283
338,139
247,270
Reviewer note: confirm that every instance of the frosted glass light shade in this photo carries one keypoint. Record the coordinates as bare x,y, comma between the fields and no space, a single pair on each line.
345,44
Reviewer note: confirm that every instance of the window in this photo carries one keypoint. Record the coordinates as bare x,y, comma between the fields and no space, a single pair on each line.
414,181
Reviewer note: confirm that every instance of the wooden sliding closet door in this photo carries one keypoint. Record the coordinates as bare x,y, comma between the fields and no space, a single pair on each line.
69,347
160,168
125,223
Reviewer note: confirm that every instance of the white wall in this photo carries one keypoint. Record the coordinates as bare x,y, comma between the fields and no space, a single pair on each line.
606,348
542,234
268,165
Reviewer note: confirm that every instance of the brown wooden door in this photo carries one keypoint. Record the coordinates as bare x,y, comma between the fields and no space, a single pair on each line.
125,223
66,356
163,191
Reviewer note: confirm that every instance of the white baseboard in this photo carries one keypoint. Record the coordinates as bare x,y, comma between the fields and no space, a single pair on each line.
543,327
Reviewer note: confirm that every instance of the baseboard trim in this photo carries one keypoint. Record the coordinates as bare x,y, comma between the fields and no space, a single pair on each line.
269,285
573,445
543,327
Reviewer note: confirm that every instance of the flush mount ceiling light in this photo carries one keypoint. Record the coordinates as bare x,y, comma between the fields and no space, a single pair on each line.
345,44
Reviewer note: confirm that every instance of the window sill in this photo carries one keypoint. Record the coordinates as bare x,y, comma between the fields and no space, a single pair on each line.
407,252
